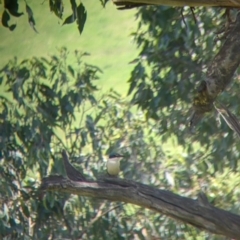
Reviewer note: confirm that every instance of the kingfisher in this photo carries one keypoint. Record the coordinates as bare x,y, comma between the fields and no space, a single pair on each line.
113,164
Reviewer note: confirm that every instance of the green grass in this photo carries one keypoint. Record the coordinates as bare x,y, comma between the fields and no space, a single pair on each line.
106,37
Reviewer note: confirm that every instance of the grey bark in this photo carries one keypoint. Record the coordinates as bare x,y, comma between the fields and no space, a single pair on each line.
199,213
194,212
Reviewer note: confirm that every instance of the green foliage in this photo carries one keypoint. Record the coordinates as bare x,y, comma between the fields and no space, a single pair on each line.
81,17
5,20
53,106
79,14
103,2
12,7
57,7
172,61
42,100
24,43
31,18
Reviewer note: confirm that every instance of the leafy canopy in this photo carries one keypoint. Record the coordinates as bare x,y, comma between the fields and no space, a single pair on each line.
11,9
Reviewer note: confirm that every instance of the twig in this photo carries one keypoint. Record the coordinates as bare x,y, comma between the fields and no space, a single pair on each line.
98,216
228,117
193,14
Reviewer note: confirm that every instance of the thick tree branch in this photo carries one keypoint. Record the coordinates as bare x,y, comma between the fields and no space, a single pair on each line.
219,74
178,3
198,213
190,211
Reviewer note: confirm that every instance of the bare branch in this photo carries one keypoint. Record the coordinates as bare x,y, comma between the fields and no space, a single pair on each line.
127,4
187,210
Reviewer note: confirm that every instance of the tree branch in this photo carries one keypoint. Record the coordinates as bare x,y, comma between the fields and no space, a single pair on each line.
99,215
177,3
219,74
198,213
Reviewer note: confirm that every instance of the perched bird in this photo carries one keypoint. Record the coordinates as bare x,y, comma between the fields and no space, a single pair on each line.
113,164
